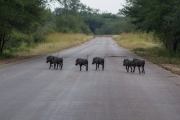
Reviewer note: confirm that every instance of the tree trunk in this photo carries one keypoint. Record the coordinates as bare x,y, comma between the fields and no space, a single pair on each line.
175,43
2,42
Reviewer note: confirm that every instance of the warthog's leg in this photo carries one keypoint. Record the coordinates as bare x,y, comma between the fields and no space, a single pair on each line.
87,67
49,65
57,66
96,66
54,65
134,68
102,66
127,68
131,68
139,70
60,66
143,71
80,67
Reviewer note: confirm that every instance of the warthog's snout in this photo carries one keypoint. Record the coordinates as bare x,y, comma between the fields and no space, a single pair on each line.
93,61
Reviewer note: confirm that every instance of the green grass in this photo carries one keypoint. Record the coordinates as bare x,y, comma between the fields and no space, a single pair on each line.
144,45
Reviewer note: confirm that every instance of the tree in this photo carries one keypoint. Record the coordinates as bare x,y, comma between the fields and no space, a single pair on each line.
94,22
69,6
158,16
68,24
172,22
20,15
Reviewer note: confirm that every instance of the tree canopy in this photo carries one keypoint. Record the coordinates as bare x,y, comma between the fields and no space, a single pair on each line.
20,15
158,16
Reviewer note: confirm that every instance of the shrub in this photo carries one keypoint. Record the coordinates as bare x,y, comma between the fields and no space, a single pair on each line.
17,39
39,37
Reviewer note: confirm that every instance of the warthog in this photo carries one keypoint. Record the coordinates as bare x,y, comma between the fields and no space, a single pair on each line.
58,61
50,59
54,60
129,63
81,62
139,63
98,61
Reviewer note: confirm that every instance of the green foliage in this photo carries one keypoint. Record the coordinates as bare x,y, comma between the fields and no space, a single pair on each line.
17,38
162,17
6,54
39,37
71,24
85,28
21,15
68,24
94,22
16,14
115,25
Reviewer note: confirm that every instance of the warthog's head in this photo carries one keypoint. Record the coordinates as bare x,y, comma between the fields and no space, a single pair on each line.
48,59
93,61
124,62
77,61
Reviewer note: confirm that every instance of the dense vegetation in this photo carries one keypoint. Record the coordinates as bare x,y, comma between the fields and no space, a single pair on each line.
161,17
22,21
27,22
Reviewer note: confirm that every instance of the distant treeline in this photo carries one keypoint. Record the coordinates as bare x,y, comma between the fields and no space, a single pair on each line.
75,17
27,22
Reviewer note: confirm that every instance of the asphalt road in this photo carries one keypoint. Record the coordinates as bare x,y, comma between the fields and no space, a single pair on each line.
29,90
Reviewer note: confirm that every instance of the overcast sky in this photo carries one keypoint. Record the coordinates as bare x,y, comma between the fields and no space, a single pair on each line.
111,6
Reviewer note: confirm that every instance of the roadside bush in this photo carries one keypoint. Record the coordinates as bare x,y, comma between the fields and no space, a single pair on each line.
39,37
17,39
6,54
85,29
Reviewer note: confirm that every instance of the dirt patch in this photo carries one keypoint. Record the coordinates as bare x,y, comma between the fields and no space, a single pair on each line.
171,67
14,59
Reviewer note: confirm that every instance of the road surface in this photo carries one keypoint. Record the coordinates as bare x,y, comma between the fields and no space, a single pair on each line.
29,90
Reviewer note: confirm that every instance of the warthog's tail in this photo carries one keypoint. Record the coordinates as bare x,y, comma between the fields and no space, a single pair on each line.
87,56
106,55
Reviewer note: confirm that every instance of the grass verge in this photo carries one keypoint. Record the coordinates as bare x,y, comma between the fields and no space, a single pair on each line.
144,45
54,42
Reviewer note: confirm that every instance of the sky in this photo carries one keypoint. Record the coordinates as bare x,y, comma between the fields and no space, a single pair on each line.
110,6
